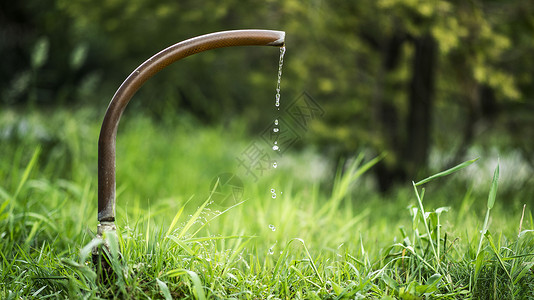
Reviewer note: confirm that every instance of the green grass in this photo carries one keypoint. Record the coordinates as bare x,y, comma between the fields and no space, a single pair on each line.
322,237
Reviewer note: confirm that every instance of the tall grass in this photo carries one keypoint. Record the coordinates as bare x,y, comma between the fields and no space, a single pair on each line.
314,240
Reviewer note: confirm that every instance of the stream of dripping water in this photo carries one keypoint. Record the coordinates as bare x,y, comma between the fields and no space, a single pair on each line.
276,130
280,64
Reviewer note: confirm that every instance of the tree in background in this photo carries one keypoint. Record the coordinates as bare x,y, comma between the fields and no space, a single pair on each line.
403,76
439,71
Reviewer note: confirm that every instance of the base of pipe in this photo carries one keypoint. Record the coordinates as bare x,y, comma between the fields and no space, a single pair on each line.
101,260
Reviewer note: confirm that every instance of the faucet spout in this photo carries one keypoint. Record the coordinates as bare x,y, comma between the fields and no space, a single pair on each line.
108,131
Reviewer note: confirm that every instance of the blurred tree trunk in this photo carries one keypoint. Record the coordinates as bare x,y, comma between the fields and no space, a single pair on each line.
386,117
410,154
421,102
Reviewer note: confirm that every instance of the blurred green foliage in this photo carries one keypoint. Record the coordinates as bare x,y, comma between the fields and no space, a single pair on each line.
403,76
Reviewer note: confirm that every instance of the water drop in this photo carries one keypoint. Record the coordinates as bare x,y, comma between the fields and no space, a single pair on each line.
274,196
276,122
271,250
273,191
276,129
272,227
275,165
275,148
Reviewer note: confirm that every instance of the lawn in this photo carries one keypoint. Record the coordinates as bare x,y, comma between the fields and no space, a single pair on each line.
311,228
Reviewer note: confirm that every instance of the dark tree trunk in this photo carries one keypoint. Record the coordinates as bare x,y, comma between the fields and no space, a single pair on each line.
387,114
419,122
410,144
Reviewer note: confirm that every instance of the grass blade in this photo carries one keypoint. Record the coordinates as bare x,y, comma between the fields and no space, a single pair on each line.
493,190
5,196
164,289
491,201
285,253
174,221
427,228
446,172
198,289
182,245
193,219
231,261
496,252
27,171
314,267
216,216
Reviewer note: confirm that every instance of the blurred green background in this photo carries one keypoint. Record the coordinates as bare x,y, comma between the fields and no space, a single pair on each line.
431,83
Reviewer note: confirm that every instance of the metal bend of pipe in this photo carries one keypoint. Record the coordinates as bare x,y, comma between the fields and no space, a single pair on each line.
108,131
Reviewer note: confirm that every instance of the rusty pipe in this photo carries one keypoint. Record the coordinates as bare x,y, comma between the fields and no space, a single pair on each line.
108,131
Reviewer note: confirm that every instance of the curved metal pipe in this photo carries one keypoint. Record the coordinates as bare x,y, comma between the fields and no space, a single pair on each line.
108,132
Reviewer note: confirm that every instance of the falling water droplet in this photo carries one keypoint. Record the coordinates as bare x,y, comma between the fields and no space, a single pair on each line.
271,250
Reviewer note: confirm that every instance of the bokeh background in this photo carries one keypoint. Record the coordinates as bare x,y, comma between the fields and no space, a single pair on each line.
430,83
